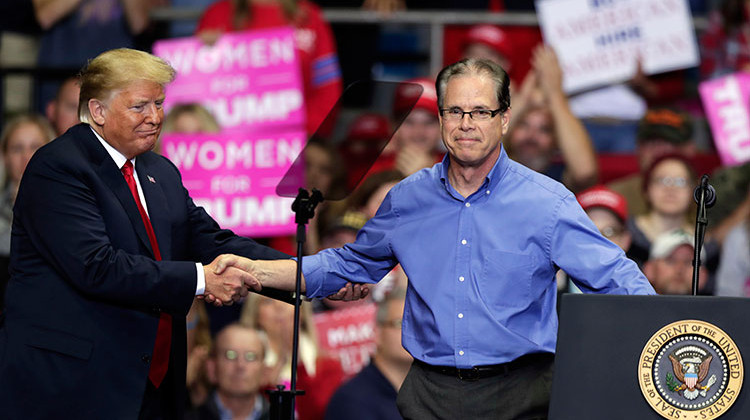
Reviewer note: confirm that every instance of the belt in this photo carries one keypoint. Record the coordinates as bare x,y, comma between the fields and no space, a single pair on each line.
488,371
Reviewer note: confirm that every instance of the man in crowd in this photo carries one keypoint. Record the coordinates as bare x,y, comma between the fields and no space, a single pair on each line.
236,368
371,394
609,212
670,265
108,253
544,134
480,238
62,111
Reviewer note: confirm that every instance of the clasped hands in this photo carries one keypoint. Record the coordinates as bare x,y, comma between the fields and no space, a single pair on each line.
229,278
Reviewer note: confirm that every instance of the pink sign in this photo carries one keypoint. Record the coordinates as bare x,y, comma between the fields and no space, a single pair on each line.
233,175
349,334
248,80
727,104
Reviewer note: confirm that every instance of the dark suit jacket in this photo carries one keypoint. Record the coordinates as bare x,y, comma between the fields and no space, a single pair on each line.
83,302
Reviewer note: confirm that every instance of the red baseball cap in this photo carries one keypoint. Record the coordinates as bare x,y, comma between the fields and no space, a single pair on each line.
370,127
603,197
407,92
491,36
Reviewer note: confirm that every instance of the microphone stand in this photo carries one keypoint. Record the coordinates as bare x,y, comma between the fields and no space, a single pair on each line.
282,401
705,196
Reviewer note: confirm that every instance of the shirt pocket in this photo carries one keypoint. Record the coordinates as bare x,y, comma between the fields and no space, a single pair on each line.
506,279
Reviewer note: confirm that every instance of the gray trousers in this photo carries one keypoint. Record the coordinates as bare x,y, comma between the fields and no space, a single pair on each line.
521,394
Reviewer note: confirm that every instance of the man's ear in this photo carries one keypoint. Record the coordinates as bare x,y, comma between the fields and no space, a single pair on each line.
506,121
211,370
50,109
97,111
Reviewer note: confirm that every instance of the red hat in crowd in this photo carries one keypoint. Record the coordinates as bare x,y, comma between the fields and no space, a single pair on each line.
491,36
602,197
408,92
369,127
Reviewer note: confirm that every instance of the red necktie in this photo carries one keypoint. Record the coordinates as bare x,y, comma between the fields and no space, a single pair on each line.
160,359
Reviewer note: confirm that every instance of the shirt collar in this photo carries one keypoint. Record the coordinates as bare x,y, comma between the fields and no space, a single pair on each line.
116,156
224,412
492,179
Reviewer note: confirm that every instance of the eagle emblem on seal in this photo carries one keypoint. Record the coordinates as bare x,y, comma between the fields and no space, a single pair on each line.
690,365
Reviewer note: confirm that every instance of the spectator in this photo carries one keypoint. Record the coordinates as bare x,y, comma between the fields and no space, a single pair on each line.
416,143
318,373
371,394
76,30
62,111
668,188
190,118
236,368
198,347
491,43
725,45
733,276
20,138
609,212
367,137
545,135
315,45
660,131
670,264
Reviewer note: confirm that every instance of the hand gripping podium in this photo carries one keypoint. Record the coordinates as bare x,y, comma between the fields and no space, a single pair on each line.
651,357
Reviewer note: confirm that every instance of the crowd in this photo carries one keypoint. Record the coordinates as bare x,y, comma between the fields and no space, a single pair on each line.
657,133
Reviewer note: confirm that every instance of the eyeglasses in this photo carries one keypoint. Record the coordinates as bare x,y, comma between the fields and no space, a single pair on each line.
457,114
249,356
670,181
610,232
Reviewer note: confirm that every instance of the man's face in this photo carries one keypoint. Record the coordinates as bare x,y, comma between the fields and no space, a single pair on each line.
238,362
610,227
420,130
64,110
389,335
533,140
472,142
131,119
673,274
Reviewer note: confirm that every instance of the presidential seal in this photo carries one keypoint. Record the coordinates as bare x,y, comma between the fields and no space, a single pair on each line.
690,370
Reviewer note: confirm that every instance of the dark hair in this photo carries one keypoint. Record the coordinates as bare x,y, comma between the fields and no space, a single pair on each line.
476,66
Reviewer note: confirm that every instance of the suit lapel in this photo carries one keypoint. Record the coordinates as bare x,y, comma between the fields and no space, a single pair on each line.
156,201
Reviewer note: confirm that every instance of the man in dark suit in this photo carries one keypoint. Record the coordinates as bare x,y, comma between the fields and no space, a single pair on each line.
107,257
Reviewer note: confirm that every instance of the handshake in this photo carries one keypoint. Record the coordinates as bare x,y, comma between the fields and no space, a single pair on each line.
229,278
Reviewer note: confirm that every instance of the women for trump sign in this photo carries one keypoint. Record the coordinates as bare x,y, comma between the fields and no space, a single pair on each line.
727,104
248,80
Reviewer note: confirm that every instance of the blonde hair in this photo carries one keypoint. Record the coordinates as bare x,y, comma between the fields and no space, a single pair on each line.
42,124
207,121
114,70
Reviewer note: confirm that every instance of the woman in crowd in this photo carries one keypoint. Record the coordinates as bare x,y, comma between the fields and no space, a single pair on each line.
668,188
20,138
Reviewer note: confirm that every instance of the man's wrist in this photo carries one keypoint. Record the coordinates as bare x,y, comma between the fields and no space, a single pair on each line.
200,284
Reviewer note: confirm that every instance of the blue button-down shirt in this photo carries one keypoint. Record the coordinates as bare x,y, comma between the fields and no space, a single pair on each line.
481,269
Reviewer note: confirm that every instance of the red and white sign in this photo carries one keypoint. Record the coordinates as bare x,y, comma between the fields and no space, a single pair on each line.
234,177
599,42
349,334
726,101
248,80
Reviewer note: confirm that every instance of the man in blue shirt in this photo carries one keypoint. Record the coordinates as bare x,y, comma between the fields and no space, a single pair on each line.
480,238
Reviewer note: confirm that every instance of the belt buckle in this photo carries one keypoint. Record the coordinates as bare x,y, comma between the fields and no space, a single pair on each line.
468,374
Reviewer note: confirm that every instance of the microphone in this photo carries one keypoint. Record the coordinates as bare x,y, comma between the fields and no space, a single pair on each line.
710,192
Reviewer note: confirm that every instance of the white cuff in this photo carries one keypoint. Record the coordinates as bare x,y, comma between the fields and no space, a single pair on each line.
200,286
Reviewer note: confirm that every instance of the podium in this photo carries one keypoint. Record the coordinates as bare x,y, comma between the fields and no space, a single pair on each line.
651,357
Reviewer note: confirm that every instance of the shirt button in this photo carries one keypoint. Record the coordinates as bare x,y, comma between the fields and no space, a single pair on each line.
487,192
461,278
460,352
463,241
468,204
460,316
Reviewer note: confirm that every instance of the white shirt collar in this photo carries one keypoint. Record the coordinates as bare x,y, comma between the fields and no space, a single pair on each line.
118,157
